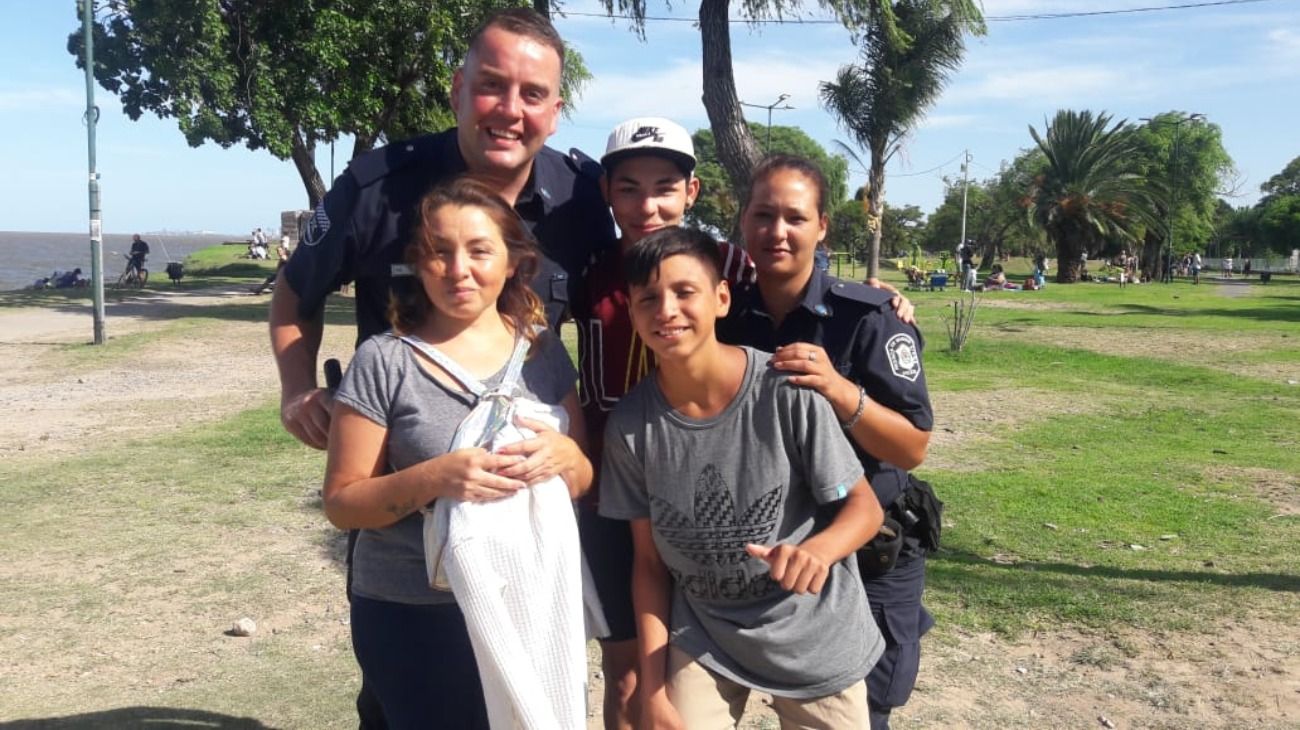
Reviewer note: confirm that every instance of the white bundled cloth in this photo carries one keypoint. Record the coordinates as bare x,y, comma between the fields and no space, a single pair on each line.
515,567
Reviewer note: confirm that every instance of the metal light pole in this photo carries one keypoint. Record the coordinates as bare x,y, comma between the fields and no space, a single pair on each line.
965,185
96,226
1167,250
767,146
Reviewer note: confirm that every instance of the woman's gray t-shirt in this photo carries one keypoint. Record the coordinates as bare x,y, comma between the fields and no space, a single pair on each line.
386,384
754,473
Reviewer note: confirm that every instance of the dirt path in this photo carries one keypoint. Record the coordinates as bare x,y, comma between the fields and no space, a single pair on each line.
52,400
1241,673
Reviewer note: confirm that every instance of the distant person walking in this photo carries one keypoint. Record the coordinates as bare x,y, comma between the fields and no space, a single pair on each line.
1227,267
1196,267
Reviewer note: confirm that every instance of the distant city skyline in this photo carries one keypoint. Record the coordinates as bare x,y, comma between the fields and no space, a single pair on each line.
1238,64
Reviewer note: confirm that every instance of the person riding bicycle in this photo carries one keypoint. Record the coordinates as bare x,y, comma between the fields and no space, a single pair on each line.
139,250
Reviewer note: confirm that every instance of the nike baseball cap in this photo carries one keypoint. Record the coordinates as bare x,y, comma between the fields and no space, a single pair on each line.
650,136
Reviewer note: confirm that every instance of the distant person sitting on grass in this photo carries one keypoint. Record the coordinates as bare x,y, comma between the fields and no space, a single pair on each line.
720,466
997,279
70,279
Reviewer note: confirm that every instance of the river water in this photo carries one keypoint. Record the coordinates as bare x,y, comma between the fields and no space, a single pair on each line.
28,256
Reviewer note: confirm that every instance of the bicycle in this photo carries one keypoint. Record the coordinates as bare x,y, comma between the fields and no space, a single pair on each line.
135,275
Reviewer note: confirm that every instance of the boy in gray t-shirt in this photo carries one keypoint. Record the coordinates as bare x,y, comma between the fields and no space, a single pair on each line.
720,465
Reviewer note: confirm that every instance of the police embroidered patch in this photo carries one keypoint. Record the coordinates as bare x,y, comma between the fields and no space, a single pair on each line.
317,226
903,360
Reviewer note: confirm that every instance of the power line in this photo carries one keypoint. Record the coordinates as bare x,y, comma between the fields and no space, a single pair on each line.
987,18
955,157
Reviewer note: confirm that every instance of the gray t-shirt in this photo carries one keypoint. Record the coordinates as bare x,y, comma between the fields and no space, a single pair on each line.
755,473
386,384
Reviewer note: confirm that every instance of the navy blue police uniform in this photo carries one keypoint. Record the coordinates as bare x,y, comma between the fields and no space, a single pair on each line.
857,327
359,231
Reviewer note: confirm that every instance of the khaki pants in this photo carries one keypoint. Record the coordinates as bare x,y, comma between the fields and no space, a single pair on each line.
707,701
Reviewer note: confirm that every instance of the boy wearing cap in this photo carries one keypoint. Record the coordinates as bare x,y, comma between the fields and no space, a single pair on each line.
649,185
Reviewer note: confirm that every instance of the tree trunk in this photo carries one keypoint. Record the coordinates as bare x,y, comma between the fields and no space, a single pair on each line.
304,158
735,145
543,7
1151,261
876,206
1070,245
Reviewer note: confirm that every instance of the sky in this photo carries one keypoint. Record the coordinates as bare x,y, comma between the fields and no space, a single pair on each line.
1238,64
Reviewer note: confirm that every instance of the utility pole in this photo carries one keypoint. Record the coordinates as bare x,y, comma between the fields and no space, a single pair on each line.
767,146
96,225
965,184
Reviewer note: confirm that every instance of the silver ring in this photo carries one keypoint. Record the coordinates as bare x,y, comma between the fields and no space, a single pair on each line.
812,356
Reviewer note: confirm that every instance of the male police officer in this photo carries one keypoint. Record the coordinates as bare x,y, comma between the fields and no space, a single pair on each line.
507,103
506,99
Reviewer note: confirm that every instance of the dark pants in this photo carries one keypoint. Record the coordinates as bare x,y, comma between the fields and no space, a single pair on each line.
418,663
896,606
607,544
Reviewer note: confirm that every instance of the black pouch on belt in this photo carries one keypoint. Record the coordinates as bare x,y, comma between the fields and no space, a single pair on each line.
880,555
923,511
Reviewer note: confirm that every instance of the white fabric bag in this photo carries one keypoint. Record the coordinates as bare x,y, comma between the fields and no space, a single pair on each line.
515,567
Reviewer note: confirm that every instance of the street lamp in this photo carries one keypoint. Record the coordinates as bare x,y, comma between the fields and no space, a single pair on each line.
1167,275
769,107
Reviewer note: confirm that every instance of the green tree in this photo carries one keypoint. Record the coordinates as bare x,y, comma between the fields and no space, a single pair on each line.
1279,223
717,206
1187,154
849,231
901,229
1091,190
283,75
881,99
737,152
995,212
1284,183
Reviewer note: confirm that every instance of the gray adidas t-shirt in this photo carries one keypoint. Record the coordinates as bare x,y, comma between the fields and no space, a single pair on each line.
753,474
386,384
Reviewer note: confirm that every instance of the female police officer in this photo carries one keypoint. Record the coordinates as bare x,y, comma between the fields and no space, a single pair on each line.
844,340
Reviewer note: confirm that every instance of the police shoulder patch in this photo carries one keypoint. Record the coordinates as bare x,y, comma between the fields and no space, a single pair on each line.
317,226
903,358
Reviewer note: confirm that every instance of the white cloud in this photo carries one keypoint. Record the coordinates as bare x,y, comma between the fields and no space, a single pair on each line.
1284,43
948,121
1040,85
675,89
39,99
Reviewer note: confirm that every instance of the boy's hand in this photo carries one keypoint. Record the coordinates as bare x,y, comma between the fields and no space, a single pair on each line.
794,567
658,713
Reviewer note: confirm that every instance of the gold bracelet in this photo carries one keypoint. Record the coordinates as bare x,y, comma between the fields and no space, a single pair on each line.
857,415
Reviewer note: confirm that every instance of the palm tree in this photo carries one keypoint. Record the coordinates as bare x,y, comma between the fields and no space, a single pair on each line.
1090,191
901,75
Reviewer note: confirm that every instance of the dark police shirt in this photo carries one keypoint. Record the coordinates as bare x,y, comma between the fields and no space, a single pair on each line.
361,227
864,339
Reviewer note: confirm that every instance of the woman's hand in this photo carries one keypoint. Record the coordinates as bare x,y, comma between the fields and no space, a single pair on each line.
809,367
474,475
549,453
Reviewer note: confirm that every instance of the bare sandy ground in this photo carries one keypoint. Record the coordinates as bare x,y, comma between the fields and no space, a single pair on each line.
1240,673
